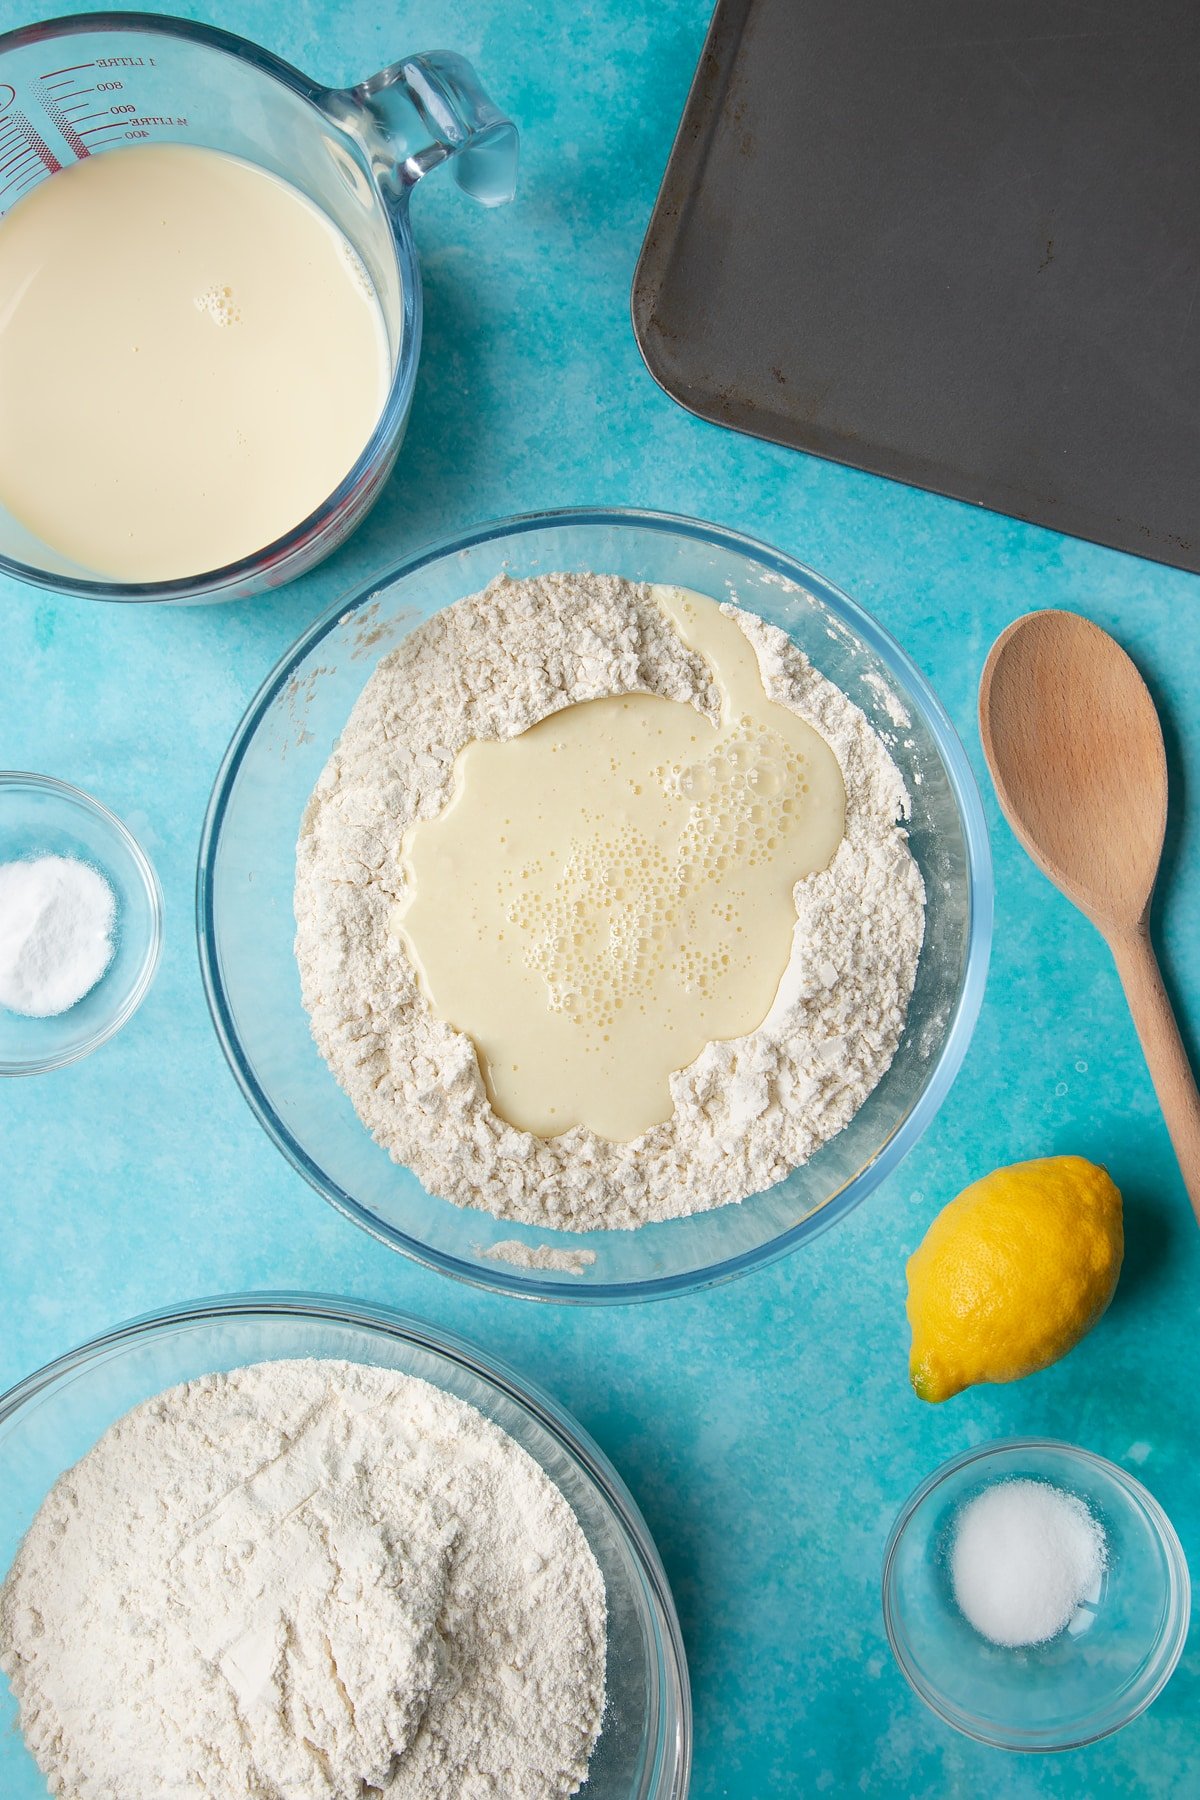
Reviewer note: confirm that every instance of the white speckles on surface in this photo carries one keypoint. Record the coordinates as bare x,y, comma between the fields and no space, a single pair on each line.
890,701
539,1256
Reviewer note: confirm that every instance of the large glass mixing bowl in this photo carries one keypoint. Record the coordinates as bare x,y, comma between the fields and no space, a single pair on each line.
246,926
51,1419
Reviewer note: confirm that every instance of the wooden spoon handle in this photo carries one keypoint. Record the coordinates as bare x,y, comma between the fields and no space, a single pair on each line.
1164,1052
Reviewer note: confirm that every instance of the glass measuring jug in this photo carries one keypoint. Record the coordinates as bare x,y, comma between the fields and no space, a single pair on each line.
91,84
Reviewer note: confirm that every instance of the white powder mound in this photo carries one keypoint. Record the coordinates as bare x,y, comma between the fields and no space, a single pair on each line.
306,1581
540,1256
748,1110
1026,1556
56,921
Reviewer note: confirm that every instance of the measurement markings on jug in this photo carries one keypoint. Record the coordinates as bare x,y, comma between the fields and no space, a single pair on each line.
54,99
61,97
24,156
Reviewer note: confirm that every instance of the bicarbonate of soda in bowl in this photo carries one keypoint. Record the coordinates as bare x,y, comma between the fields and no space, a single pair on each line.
1026,1557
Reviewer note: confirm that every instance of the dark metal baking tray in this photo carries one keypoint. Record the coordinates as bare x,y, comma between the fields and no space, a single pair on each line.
952,242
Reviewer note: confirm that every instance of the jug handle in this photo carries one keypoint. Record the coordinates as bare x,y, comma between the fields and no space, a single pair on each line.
431,109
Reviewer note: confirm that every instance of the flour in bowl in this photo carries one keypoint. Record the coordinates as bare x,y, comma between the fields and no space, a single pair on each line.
745,1110
306,1580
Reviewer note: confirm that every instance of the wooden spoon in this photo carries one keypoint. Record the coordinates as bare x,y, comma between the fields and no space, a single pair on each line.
1075,747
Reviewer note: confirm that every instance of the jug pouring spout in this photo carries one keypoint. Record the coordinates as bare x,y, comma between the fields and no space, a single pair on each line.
431,109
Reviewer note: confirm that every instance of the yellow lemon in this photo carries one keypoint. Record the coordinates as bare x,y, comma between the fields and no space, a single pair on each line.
1012,1274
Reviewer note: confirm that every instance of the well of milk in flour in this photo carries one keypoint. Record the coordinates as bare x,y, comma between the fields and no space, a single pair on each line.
613,889
191,359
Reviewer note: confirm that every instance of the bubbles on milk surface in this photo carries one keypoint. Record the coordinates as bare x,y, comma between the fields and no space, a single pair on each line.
471,1078
744,795
621,911
613,888
221,306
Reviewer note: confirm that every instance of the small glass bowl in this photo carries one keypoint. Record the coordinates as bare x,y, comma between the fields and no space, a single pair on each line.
43,817
247,929
54,1417
1105,1668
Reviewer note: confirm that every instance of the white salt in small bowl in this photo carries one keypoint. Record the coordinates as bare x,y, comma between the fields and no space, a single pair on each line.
43,817
1114,1656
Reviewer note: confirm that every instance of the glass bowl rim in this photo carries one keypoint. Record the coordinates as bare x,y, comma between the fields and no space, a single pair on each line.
580,1447
959,1027
1172,1639
76,796
212,583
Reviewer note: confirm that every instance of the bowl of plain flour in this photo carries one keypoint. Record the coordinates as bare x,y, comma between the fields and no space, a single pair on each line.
595,907
286,1544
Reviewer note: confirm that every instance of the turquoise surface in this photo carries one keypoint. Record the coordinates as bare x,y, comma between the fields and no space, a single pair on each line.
766,1428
